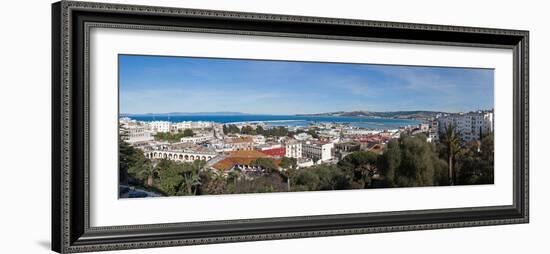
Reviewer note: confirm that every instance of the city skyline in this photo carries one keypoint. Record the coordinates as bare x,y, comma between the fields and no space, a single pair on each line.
159,84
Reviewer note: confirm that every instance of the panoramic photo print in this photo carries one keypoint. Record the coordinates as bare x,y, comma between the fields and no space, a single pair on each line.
207,126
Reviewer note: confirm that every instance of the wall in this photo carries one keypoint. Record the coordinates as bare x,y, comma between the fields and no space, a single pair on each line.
25,108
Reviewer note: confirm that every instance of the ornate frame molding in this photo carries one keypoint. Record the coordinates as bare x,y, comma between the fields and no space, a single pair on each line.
71,22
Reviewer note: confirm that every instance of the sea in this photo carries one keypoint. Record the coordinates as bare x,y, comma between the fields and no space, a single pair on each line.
284,120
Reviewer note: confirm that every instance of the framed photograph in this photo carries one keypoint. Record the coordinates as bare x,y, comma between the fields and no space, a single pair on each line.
182,126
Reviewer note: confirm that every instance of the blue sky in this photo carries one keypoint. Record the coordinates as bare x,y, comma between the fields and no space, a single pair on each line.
152,84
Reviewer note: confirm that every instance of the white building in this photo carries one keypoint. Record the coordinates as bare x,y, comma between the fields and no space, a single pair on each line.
233,144
124,120
160,126
196,139
433,133
293,149
304,162
424,127
317,151
332,133
303,136
360,132
193,125
136,134
268,146
258,139
470,126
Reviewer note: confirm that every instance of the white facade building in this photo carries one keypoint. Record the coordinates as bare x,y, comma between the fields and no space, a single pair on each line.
424,127
433,133
332,133
470,126
302,136
196,139
304,162
293,149
360,132
258,139
160,126
193,125
317,151
136,134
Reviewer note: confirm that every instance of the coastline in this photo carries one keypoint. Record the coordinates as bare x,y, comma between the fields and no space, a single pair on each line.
284,120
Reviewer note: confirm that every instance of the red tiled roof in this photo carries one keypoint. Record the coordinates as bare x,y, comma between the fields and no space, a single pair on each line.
275,151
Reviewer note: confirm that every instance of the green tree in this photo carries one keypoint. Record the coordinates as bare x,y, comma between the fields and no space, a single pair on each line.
360,167
188,133
127,157
248,130
330,177
260,130
234,176
306,180
451,142
487,150
174,137
213,182
390,162
313,132
289,175
191,178
417,162
260,184
145,170
289,166
170,177
475,162
266,164
230,129
288,163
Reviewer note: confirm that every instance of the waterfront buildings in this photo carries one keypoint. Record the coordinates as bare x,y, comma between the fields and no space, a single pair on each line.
160,126
193,125
470,126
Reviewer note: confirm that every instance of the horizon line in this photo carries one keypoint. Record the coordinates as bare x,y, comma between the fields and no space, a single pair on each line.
245,113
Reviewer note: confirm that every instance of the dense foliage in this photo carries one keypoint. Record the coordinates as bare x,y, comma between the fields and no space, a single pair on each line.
174,137
411,161
276,131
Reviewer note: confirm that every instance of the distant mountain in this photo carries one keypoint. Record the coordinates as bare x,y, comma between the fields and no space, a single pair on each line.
417,114
189,114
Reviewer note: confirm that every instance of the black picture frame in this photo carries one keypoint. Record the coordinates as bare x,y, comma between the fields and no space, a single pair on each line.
71,22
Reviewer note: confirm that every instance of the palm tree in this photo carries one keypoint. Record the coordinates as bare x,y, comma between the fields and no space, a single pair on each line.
289,167
234,175
148,171
452,145
191,181
191,177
